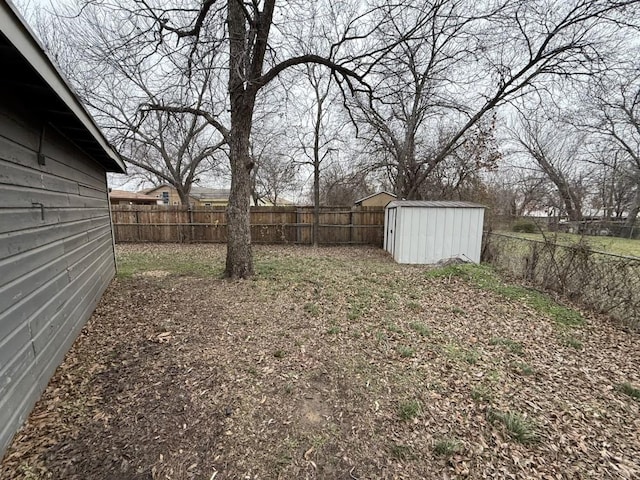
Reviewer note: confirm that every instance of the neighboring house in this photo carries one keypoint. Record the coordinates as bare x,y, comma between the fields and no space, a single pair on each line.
168,195
380,199
199,196
165,195
123,197
56,242
211,197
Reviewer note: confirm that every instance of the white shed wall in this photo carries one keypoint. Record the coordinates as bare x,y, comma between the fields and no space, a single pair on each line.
426,235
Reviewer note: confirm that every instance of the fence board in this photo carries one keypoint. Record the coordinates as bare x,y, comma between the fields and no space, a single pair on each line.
177,224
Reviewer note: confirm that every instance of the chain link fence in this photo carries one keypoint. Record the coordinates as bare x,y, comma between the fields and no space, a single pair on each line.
604,282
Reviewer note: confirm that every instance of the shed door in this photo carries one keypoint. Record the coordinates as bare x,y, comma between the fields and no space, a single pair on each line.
391,231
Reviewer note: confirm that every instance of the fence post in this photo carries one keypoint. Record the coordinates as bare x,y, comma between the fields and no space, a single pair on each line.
138,223
191,226
351,226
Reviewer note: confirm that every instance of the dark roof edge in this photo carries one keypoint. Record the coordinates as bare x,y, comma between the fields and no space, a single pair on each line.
14,27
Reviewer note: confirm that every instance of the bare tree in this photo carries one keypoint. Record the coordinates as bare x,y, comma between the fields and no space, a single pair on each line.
272,177
518,192
247,53
163,147
340,186
460,175
614,114
554,150
411,87
177,150
318,145
612,180
468,59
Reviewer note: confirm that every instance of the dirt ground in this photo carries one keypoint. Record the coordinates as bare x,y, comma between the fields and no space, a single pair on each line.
333,363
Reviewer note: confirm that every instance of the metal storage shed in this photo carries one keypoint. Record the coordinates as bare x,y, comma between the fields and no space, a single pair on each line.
425,232
56,243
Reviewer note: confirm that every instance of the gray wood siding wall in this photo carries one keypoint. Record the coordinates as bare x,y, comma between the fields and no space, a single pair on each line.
55,261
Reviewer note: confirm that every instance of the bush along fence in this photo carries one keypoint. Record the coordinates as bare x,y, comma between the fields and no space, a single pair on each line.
177,224
600,281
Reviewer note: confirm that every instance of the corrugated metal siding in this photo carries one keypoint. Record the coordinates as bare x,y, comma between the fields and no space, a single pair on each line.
427,235
53,270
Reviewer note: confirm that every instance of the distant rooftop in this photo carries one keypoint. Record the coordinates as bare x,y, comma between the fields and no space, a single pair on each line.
199,193
373,195
127,195
202,193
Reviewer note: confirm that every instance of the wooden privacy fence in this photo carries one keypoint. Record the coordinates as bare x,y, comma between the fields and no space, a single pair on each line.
177,224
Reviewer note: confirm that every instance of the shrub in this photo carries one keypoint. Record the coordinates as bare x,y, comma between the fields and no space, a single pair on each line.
525,226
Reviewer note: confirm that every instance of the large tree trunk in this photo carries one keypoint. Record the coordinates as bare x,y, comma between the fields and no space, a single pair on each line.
183,194
242,100
634,209
186,230
402,187
316,201
409,178
571,204
316,172
239,255
569,199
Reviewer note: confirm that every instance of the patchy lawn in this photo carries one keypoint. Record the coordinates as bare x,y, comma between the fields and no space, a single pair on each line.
618,246
334,363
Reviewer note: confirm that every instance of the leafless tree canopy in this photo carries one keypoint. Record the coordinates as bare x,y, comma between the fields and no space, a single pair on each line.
612,118
182,84
553,152
116,83
465,60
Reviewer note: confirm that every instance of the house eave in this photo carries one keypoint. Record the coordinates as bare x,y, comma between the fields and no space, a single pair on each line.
46,89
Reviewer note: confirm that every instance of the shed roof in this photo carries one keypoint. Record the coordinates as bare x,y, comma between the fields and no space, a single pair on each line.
433,204
35,80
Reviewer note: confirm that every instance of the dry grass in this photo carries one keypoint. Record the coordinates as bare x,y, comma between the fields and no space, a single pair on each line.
601,282
619,246
333,363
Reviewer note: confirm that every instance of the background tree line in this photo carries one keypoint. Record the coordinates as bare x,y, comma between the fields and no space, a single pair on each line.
521,105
